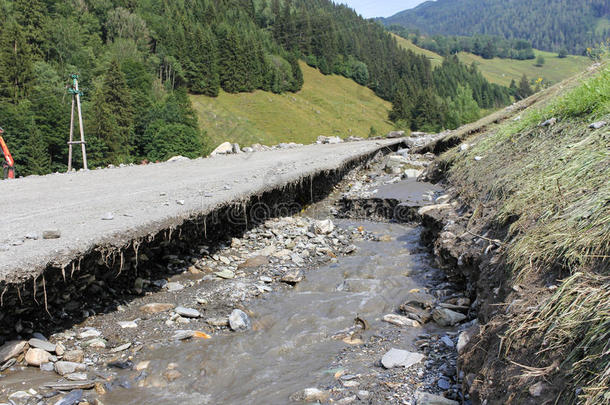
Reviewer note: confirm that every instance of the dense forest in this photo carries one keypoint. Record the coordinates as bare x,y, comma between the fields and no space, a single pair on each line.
551,25
486,46
139,59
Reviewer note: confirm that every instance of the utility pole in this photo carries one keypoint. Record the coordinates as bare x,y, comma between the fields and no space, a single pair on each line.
76,99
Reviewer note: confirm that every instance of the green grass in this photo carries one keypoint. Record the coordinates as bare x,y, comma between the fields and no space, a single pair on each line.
502,71
550,185
327,105
434,58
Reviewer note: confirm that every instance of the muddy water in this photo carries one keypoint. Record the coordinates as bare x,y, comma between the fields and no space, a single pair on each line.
294,337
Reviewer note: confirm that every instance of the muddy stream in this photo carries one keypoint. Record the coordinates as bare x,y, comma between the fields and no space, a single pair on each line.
295,337
327,331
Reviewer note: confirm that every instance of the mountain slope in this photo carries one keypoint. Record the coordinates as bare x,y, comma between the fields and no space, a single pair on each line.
327,105
550,25
502,71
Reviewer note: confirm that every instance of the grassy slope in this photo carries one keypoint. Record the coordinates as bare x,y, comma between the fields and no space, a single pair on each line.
327,105
551,185
502,71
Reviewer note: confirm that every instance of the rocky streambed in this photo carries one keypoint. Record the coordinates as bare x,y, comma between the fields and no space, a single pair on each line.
341,303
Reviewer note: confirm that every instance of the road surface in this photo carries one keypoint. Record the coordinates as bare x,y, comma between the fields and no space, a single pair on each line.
142,200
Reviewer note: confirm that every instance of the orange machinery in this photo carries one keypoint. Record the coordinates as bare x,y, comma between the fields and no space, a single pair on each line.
8,165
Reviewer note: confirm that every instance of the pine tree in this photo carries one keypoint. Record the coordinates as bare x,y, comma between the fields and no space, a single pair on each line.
31,16
15,62
113,119
524,90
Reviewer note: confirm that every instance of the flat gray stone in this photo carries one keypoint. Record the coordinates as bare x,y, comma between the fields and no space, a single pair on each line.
187,312
42,344
400,358
67,367
424,398
11,349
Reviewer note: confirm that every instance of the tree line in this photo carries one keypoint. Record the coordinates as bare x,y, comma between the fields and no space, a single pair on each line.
551,25
138,60
486,46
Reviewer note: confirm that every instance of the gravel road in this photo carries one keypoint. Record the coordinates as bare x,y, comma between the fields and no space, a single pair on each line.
141,200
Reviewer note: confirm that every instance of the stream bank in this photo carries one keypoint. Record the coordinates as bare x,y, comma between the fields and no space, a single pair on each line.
303,307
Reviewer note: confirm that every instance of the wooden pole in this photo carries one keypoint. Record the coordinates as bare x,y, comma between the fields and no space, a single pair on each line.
71,136
80,124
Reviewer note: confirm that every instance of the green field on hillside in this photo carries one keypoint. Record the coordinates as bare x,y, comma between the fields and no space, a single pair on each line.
502,71
327,105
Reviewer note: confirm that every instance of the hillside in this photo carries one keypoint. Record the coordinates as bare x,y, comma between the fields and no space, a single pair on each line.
137,62
549,25
502,71
539,194
327,105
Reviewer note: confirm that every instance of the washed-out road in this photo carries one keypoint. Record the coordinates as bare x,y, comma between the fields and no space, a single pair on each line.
111,207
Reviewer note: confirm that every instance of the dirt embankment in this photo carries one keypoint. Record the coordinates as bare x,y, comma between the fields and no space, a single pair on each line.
530,242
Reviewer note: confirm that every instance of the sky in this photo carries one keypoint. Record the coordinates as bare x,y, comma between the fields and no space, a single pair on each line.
379,8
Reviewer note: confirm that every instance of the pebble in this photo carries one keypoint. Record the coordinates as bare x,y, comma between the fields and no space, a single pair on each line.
310,395
121,348
183,334
226,274
72,398
172,375
218,321
76,377
156,307
36,357
108,217
89,333
448,342
443,384
127,324
11,349
399,320
239,320
66,367
174,286
293,277
266,279
51,234
187,312
424,398
598,125
47,367
96,343
447,317
74,356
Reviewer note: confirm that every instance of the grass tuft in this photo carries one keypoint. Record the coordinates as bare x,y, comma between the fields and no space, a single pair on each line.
551,186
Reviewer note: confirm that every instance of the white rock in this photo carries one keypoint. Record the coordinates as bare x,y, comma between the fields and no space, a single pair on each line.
400,320
424,398
238,320
447,317
187,312
463,340
323,227
222,149
36,357
310,395
400,358
178,159
412,173
89,333
67,367
42,344
127,324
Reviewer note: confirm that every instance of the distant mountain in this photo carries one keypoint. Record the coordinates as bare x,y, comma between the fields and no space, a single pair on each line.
549,24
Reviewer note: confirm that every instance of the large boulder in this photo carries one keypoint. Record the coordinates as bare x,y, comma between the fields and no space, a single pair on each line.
223,149
329,139
396,134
